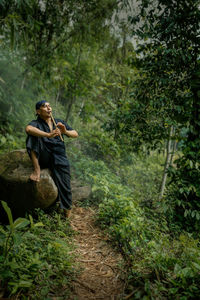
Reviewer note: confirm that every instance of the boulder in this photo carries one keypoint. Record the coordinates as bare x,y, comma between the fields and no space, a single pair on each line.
79,192
17,190
21,193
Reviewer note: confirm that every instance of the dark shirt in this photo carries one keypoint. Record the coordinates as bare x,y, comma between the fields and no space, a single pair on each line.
53,145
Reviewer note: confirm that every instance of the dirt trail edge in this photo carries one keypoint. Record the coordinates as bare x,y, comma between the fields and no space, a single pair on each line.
99,261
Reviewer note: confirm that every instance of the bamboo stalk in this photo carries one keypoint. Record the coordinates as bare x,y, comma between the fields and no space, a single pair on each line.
56,126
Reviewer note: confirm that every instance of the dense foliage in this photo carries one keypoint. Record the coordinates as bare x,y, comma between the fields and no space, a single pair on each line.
126,76
33,261
161,261
165,94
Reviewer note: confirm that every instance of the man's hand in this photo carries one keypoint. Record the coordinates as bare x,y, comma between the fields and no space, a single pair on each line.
54,133
62,127
69,133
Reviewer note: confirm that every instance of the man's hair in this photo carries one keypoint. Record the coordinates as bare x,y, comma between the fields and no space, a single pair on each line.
39,104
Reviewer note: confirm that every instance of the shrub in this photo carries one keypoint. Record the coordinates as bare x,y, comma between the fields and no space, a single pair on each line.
35,258
162,264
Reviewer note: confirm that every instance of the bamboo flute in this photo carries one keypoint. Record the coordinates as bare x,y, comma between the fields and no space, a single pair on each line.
56,126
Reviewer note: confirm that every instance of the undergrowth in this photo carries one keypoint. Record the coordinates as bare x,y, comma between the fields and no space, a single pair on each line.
162,263
36,260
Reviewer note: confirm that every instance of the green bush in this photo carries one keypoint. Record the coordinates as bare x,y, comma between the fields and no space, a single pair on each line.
162,264
169,267
181,204
162,267
99,145
36,258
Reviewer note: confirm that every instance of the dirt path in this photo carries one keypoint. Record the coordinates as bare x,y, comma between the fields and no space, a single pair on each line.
100,263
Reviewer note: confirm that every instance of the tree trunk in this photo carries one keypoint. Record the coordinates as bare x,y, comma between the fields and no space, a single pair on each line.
81,107
23,83
73,98
172,152
167,163
57,97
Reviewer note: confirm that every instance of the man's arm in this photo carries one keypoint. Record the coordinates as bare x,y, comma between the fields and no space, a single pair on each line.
70,133
31,130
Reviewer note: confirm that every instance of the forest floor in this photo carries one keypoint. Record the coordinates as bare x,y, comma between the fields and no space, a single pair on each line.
101,265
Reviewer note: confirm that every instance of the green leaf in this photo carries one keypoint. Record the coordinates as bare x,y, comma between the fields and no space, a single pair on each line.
2,230
197,266
31,221
197,216
20,223
39,224
17,238
8,211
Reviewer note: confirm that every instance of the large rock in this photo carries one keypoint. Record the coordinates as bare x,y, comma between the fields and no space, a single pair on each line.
79,192
23,195
17,190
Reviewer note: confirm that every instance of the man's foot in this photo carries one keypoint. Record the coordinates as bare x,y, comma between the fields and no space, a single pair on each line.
67,213
35,176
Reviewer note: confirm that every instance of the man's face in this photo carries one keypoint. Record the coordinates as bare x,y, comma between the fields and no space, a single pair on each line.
44,111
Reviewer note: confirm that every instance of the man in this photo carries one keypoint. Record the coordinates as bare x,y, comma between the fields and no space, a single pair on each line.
47,150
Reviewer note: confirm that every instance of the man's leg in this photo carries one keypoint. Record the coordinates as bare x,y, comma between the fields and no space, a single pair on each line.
35,176
39,156
67,213
61,176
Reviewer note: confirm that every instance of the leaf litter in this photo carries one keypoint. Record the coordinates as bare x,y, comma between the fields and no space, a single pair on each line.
101,276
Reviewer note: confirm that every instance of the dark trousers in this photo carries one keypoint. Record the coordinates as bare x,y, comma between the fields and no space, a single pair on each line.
60,173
